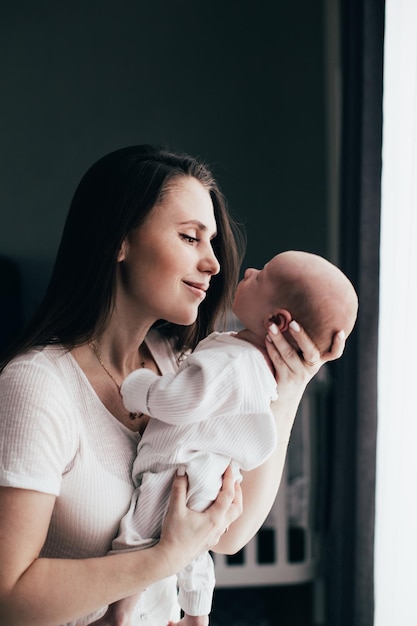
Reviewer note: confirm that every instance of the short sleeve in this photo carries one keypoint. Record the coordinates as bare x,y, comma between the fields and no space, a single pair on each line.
38,438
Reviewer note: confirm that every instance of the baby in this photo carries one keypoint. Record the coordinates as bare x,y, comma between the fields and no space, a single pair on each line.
216,409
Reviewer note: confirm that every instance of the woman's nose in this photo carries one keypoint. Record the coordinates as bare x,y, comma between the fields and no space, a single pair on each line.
210,262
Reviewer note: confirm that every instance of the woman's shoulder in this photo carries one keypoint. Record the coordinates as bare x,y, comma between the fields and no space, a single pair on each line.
39,430
46,375
45,362
50,353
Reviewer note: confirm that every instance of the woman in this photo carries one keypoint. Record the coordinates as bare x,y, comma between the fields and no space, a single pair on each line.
148,261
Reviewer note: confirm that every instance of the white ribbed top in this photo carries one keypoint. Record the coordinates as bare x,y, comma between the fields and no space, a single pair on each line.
58,438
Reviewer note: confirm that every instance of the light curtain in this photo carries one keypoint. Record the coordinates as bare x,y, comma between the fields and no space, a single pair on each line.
395,564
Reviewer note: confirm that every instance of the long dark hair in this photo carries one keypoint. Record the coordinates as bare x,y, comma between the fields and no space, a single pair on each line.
114,197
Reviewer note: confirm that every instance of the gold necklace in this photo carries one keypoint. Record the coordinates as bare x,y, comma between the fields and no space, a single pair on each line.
94,348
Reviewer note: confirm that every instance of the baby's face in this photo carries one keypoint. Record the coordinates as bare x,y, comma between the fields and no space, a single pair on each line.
253,302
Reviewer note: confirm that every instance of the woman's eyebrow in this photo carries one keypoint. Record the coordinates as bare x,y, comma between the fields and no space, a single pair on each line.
197,223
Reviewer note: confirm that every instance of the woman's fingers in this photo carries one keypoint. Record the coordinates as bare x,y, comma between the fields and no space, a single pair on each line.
228,505
230,497
280,350
296,359
310,353
179,490
227,490
206,527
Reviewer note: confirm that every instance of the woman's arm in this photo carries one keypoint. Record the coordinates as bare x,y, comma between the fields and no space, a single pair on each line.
40,591
293,372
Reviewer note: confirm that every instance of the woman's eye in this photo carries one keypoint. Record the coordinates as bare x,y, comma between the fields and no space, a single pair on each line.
188,238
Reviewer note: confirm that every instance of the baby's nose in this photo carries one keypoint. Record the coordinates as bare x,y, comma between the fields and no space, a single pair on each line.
249,271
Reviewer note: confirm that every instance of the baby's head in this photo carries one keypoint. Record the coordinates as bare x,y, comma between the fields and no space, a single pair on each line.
297,286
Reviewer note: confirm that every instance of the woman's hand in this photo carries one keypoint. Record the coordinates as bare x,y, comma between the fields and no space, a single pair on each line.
186,533
295,368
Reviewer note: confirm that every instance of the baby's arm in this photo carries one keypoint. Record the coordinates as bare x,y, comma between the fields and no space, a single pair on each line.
205,385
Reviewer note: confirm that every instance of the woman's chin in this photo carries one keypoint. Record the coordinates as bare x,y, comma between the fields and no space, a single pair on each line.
183,320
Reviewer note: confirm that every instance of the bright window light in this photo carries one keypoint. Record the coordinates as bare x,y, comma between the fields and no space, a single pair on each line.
396,492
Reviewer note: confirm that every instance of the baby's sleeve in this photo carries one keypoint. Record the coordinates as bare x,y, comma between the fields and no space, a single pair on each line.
207,384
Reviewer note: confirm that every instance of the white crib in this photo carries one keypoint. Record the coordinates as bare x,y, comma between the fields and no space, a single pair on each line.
287,549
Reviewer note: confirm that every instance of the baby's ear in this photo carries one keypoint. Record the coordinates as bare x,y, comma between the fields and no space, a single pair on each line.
281,318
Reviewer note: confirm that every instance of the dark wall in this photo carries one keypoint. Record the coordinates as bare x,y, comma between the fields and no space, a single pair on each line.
238,83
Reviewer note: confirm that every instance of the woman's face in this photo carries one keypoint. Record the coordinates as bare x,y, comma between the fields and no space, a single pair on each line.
167,263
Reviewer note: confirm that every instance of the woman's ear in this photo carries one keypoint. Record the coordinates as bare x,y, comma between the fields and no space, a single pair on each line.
281,318
123,251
